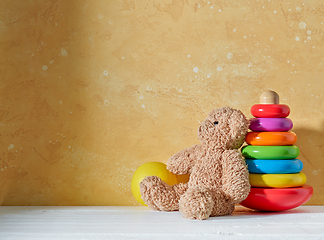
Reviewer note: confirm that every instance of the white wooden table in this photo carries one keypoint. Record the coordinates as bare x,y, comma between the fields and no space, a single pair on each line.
142,223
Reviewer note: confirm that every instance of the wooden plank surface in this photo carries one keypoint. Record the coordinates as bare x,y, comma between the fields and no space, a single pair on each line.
305,222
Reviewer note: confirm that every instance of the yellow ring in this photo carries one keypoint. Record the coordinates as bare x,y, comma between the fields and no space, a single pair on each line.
277,180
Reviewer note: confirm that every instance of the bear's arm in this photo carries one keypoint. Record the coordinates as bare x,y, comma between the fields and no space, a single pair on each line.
183,161
235,177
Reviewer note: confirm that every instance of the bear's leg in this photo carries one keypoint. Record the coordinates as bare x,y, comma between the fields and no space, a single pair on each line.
196,203
222,206
158,195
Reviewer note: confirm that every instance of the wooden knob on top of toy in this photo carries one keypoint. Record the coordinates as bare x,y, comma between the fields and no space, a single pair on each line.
269,97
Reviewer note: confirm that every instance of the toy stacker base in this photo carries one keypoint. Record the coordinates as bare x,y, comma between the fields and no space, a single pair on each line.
277,199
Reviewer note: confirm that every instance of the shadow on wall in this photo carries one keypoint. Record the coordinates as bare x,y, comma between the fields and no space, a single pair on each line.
311,146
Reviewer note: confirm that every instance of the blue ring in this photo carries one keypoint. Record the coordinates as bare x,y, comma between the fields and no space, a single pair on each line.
274,166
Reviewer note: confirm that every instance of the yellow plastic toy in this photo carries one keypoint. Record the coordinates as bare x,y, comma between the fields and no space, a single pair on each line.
154,169
278,180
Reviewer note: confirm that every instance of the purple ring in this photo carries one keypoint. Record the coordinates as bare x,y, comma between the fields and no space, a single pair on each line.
270,124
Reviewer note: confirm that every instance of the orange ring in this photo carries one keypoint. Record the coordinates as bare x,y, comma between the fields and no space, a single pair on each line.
271,138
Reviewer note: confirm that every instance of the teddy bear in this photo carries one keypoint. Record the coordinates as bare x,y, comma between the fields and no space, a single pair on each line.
219,178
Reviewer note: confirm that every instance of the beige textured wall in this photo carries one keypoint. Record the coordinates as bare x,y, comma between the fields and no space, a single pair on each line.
90,90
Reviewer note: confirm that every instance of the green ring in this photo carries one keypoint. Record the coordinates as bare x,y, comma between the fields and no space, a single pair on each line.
270,152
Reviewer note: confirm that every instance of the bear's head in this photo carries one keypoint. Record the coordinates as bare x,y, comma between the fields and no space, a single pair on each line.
224,127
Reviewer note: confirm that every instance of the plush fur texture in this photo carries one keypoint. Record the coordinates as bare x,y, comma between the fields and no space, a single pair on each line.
218,174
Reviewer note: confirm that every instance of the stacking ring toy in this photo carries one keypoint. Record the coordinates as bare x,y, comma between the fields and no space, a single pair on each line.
274,166
270,110
270,124
277,180
270,152
276,199
271,138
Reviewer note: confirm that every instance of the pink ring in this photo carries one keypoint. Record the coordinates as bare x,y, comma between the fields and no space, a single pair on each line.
270,124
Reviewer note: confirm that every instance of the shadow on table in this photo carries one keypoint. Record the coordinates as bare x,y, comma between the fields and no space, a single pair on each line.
241,212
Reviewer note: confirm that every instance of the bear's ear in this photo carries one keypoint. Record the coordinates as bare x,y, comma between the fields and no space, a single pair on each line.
239,124
238,129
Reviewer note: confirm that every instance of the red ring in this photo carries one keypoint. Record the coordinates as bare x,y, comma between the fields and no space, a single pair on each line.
277,199
270,110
